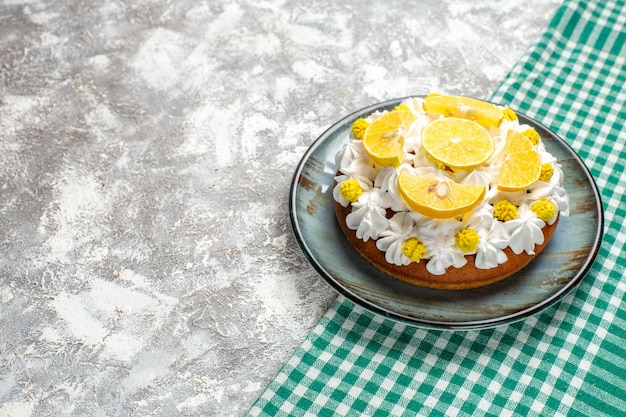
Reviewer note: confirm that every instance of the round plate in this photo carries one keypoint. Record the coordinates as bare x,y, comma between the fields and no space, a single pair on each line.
549,277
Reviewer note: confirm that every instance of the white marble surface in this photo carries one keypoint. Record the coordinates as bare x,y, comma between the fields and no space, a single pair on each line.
146,152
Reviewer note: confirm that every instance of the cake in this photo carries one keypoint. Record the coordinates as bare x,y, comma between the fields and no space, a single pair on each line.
447,192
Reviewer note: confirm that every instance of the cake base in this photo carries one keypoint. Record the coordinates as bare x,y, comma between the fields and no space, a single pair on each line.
468,276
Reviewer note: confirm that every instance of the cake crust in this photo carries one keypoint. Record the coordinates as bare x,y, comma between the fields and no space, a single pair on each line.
396,163
466,277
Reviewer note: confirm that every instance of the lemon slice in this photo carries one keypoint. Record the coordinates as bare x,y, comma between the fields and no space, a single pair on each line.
481,111
522,163
383,139
437,198
457,143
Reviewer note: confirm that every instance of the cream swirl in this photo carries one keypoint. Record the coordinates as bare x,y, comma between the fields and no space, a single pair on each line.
364,182
354,163
524,232
438,236
367,216
353,160
492,238
387,181
402,226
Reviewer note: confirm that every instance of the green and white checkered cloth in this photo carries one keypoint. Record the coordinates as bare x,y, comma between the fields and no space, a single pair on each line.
568,360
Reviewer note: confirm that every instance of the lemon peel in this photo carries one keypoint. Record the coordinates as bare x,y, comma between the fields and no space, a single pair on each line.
522,163
414,249
383,139
457,143
467,240
351,190
402,107
504,210
358,128
483,112
440,166
544,209
438,198
509,114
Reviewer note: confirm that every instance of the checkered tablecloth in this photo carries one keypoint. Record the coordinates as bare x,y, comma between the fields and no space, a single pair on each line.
570,360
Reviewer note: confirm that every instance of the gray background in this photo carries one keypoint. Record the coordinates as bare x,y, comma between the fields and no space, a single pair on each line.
146,153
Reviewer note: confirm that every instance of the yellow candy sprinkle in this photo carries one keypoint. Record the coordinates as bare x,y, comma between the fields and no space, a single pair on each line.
351,190
547,170
532,135
544,209
414,249
504,210
509,114
467,240
358,128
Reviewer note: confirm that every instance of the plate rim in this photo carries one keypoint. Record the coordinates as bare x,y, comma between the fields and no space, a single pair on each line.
428,323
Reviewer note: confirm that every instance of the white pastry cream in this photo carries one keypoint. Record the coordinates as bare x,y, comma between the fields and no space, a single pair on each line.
377,195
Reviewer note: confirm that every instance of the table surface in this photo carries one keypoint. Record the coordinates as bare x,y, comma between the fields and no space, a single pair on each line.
146,152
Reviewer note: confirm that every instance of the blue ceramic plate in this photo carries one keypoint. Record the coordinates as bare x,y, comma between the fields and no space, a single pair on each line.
549,277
